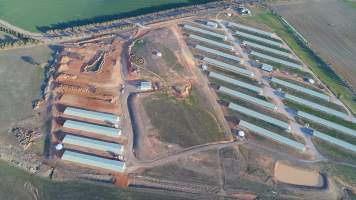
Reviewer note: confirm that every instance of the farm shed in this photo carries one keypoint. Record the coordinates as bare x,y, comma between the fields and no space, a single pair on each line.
300,88
88,114
248,98
272,136
259,39
267,49
316,106
276,60
327,123
145,86
92,128
335,141
260,116
266,67
203,31
219,53
93,144
212,24
248,28
212,42
229,67
235,82
93,161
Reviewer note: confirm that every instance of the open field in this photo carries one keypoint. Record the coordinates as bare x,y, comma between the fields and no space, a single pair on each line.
330,21
25,14
21,74
17,184
182,122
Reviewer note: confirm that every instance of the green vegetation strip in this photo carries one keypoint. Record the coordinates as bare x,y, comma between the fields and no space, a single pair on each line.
314,62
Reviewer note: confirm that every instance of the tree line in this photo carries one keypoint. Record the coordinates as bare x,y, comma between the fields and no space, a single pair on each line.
20,39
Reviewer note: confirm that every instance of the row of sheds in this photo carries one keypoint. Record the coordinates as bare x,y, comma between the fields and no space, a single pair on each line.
93,143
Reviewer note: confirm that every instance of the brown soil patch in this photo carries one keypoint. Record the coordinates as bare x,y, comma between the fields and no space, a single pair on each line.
297,176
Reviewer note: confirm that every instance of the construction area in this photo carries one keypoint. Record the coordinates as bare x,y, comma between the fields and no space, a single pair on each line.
210,106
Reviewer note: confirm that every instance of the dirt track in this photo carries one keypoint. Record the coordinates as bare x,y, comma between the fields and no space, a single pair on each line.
330,27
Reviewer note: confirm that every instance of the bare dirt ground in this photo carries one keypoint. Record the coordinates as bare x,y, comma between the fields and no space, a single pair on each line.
297,176
330,27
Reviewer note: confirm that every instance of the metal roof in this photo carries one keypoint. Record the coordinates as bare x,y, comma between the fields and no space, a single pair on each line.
247,98
219,53
248,28
212,42
105,117
335,141
192,28
212,24
315,106
260,39
101,130
229,67
327,123
268,49
94,161
93,144
276,60
267,67
300,88
260,116
271,135
235,82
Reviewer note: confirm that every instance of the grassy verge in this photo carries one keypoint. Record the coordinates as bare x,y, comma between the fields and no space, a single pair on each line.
334,152
314,62
320,114
308,97
346,173
182,122
328,131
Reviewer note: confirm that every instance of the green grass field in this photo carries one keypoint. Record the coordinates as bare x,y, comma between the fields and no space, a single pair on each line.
38,13
182,122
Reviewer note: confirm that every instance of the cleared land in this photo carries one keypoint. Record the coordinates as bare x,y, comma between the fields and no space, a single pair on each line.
24,13
297,176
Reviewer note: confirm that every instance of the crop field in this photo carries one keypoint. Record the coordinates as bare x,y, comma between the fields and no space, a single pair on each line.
37,14
329,27
21,74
